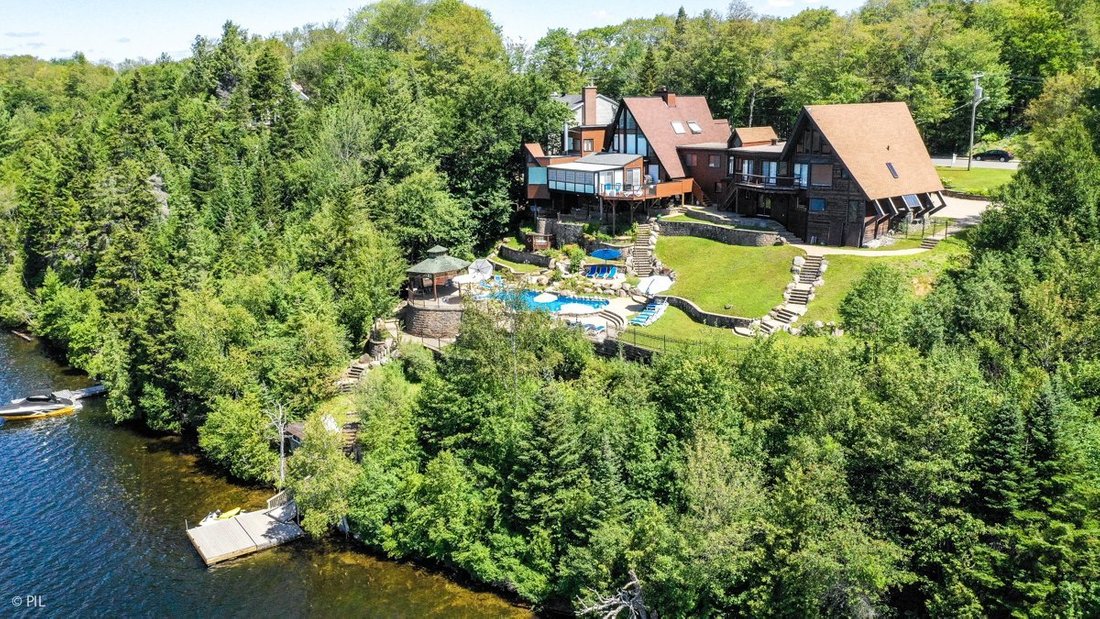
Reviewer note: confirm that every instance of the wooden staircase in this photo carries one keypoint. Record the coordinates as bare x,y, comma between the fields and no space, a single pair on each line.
350,433
700,195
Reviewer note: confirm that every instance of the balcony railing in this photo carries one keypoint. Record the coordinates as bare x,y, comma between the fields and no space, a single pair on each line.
767,181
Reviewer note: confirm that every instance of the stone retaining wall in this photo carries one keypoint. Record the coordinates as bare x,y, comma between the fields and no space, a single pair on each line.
951,193
729,236
613,348
567,232
707,318
524,257
440,322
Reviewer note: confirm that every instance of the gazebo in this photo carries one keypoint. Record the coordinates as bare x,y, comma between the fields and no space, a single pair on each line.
438,269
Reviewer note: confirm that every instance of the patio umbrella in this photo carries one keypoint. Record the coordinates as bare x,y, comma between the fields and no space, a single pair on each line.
655,284
577,309
481,268
607,254
545,297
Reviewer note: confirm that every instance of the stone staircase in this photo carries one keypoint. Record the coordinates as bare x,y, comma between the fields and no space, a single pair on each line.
350,433
616,324
811,270
641,254
798,295
930,243
354,374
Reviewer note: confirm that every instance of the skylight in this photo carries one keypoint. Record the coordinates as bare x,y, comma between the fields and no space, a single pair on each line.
694,126
678,127
893,172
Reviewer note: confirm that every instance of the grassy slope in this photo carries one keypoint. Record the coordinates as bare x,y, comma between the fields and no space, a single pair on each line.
677,327
711,274
518,266
845,271
981,181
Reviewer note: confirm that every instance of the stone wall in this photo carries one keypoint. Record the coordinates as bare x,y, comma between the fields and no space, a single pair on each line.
707,318
524,257
567,232
433,321
729,236
614,348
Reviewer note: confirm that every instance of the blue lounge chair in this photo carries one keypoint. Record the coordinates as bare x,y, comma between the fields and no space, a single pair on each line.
613,272
590,271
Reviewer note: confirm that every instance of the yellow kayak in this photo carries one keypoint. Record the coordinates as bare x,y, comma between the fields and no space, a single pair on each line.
229,514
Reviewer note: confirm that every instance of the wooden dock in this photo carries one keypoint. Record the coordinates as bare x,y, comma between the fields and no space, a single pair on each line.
246,533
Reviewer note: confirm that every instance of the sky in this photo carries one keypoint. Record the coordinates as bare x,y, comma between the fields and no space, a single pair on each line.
114,30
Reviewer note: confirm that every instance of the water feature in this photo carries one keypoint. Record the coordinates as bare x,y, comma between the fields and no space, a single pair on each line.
528,299
92,523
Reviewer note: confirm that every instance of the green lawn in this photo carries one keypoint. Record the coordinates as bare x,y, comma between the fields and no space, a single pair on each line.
845,271
981,181
677,327
713,275
519,267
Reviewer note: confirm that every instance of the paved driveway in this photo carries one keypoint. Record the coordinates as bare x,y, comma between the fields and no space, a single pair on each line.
961,163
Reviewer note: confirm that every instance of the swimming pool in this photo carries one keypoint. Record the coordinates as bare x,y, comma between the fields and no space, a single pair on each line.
527,297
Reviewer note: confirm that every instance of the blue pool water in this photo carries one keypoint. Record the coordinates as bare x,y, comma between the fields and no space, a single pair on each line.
527,297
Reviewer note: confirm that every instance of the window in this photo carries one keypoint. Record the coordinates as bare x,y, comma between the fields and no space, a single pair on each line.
821,175
689,160
911,201
802,174
587,146
536,176
715,161
678,127
720,187
694,126
893,172
817,205
770,169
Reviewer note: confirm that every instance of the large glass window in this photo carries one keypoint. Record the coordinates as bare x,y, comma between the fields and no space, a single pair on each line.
715,161
817,205
536,176
821,175
643,145
770,170
802,174
689,160
911,201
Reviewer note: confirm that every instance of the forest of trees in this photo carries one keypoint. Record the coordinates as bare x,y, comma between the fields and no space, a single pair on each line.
215,236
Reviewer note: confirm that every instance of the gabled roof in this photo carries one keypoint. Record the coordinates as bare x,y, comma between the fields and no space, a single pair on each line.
606,107
655,118
874,141
752,136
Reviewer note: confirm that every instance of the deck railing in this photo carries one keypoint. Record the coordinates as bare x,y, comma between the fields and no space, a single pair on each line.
768,181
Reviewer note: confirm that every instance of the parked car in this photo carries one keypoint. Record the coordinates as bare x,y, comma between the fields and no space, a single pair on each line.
993,155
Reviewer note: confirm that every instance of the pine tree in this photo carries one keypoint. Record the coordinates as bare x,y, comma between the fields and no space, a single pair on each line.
1003,473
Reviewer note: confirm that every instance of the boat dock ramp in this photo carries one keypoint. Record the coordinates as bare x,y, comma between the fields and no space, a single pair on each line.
247,532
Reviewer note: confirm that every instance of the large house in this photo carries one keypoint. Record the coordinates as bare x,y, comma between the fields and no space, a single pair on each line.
848,174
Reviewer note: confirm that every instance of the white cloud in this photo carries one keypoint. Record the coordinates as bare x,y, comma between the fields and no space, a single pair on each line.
21,35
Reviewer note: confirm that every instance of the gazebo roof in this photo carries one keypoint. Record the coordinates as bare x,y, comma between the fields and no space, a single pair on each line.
438,261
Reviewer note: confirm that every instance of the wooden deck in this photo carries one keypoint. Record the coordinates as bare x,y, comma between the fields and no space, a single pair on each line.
245,534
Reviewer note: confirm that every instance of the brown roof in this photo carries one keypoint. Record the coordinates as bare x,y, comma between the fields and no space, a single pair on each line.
655,117
534,149
753,136
868,136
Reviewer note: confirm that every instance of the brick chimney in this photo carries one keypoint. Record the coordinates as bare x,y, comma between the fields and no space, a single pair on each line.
668,97
588,113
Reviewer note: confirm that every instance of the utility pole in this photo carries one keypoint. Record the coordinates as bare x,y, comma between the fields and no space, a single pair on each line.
974,117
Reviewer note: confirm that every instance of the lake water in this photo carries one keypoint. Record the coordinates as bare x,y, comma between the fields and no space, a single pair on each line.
92,524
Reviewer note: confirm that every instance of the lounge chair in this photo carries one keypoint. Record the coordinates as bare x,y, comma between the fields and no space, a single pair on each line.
613,272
